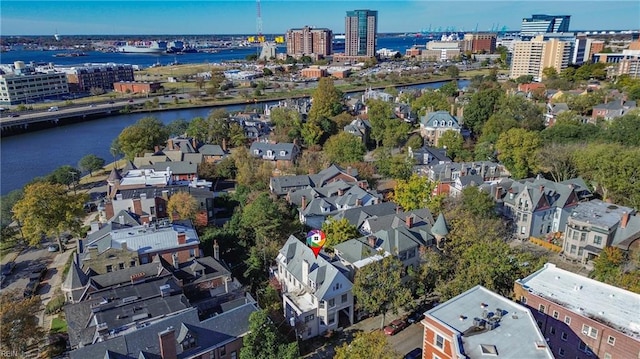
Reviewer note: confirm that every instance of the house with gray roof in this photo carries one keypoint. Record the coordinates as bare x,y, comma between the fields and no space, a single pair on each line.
282,185
449,172
428,156
434,124
315,292
182,335
553,110
462,182
479,324
283,155
612,109
359,128
595,225
359,215
538,207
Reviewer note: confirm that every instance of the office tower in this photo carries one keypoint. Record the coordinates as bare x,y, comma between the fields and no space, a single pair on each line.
532,57
309,41
361,28
540,24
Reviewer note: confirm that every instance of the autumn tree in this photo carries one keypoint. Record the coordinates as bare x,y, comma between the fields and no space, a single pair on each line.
91,163
143,136
344,148
288,124
311,133
338,231
517,150
6,205
264,341
19,321
453,142
326,101
413,193
47,209
378,287
367,345
182,205
177,127
558,161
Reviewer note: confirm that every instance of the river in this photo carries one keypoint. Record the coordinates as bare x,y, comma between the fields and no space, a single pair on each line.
26,156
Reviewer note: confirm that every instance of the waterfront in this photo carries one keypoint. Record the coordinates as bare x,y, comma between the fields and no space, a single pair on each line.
146,60
24,157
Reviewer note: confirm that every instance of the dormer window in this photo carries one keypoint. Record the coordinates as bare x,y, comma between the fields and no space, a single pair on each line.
283,153
269,153
256,152
188,342
450,124
435,123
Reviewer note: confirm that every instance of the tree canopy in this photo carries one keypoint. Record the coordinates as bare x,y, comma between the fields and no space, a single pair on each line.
338,231
367,345
91,163
326,101
517,150
19,323
143,136
414,193
264,341
182,205
344,148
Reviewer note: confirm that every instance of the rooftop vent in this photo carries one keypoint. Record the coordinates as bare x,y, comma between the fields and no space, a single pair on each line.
488,349
483,305
498,313
541,345
478,322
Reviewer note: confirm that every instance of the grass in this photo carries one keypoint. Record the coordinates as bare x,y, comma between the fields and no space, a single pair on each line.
58,325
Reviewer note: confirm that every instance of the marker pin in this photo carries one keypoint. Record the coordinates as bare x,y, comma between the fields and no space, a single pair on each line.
316,240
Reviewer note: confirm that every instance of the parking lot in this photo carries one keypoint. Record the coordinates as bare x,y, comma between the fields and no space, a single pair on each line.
25,262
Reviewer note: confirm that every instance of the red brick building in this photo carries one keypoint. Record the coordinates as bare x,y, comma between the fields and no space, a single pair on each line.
581,317
137,87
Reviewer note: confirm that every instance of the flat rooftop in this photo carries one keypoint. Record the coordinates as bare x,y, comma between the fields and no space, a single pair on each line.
613,306
516,336
598,213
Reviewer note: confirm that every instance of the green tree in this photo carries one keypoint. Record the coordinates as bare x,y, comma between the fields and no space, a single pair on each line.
625,130
338,231
198,129
453,71
397,166
47,209
549,73
395,133
413,193
478,203
482,105
237,136
367,345
19,321
568,128
6,205
91,163
607,266
449,89
517,151
344,148
391,90
218,126
378,287
453,142
430,100
182,205
327,101
524,79
379,112
177,127
415,141
65,175
142,136
288,124
558,161
311,133
264,341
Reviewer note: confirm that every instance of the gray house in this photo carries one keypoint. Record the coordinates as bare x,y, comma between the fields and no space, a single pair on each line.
284,155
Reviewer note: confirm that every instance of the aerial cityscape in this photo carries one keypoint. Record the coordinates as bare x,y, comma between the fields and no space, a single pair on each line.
305,179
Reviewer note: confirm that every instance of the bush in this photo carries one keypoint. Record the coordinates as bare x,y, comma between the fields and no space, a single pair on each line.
55,305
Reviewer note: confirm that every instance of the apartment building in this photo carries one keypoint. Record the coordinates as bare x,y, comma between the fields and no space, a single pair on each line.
532,57
23,84
595,225
361,31
581,317
479,43
479,324
309,41
103,76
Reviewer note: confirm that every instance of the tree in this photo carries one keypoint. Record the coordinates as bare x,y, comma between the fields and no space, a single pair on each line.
65,175
524,79
327,101
517,151
177,127
398,166
478,203
450,89
430,100
625,130
378,112
6,205
338,231
198,129
182,205
47,209
378,287
288,124
367,345
264,341
558,161
19,322
549,73
415,141
311,133
143,136
453,71
607,266
91,163
453,142
413,193
482,105
344,148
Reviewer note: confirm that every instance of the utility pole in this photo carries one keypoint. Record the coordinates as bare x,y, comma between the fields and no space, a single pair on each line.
73,181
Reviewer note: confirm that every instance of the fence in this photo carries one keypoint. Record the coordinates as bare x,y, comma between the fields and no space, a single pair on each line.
545,244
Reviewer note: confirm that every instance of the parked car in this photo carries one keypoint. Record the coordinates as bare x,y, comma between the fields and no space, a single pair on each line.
395,327
38,272
7,268
416,316
414,354
53,109
53,248
31,289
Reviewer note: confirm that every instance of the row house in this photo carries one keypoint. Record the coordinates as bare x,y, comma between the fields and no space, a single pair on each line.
283,155
481,324
581,317
447,173
316,294
595,225
282,185
538,207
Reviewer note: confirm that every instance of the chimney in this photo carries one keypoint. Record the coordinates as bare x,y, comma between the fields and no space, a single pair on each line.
541,188
305,272
224,145
372,241
304,202
409,221
349,171
168,344
156,148
624,220
340,192
453,110
137,206
194,143
182,238
121,219
216,250
359,202
165,195
170,144
498,193
144,219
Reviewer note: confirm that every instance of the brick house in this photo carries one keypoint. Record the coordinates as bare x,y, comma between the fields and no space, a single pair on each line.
581,317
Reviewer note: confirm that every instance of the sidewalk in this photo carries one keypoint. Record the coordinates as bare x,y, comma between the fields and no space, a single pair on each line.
55,283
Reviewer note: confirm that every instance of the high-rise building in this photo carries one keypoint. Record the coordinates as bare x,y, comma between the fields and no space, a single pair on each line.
532,57
540,24
361,29
309,41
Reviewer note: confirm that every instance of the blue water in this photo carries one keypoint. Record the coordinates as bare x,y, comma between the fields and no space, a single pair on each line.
146,60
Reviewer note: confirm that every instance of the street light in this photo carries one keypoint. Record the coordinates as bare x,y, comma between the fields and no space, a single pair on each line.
73,180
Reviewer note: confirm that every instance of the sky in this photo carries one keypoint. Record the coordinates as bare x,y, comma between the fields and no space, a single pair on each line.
200,17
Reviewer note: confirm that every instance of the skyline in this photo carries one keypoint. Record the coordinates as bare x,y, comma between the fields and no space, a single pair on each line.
145,17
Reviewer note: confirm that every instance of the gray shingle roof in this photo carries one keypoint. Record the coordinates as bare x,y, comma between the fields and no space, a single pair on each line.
440,228
211,150
439,119
177,168
357,216
281,151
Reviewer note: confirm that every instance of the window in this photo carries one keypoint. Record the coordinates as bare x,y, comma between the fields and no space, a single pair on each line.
234,355
564,336
552,330
583,237
561,352
332,319
523,230
132,264
567,320
556,314
192,252
525,217
283,153
611,340
223,351
309,318
439,341
321,304
152,210
344,300
597,240
332,303
590,331
109,268
435,356
121,265
541,308
523,300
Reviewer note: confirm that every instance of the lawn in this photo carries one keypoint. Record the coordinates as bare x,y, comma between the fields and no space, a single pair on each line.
58,325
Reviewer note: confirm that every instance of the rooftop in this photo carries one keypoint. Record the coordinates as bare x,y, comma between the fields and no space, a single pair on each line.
613,306
146,177
598,213
515,336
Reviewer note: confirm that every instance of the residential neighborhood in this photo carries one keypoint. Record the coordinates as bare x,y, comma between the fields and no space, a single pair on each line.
493,214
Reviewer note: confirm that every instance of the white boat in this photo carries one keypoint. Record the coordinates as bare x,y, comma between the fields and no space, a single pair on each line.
143,47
